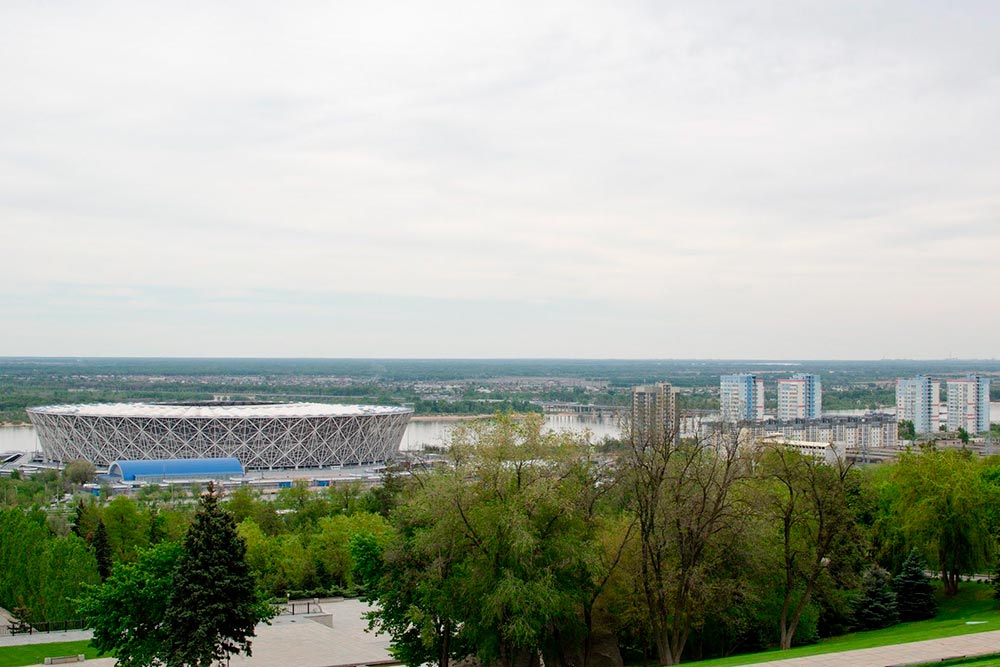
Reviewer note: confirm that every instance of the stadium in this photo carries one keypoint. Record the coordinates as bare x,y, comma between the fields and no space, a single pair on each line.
262,435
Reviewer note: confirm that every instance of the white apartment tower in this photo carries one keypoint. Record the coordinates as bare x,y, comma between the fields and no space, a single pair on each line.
969,404
654,412
741,398
918,400
800,397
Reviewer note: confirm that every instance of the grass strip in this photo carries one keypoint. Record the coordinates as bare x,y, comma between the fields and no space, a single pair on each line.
973,604
34,654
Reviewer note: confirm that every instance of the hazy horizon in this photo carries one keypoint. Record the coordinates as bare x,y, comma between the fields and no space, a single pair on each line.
776,361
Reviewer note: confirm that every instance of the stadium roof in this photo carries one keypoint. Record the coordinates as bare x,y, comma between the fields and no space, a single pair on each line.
223,409
129,471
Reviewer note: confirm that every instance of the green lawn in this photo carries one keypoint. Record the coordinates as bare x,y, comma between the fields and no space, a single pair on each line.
33,654
974,602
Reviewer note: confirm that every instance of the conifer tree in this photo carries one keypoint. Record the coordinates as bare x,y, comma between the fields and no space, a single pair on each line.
214,606
78,519
876,608
914,591
102,551
85,517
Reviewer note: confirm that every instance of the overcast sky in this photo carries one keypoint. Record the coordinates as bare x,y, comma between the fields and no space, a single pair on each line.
511,179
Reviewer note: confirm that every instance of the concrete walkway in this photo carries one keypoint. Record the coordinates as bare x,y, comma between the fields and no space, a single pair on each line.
45,637
980,643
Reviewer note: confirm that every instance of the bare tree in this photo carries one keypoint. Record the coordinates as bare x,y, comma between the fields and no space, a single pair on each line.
682,492
808,499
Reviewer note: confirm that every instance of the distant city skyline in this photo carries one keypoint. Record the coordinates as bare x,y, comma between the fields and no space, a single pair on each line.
571,180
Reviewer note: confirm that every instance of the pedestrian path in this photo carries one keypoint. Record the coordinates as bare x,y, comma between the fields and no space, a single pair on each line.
980,643
45,637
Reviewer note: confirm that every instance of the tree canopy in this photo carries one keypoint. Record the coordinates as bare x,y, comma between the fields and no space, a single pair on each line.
127,611
941,505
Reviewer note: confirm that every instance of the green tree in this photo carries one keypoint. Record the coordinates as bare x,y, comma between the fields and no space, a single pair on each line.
127,529
914,591
384,497
526,534
213,605
242,503
79,472
941,504
495,551
262,557
876,606
68,568
85,518
296,571
963,435
905,430
409,588
23,538
127,611
102,551
330,546
305,505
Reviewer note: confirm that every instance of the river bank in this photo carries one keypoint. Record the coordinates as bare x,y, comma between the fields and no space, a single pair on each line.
447,418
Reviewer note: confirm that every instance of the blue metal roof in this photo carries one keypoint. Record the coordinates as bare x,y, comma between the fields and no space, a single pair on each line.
213,468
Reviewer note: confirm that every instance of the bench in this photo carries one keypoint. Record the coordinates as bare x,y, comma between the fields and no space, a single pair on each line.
65,659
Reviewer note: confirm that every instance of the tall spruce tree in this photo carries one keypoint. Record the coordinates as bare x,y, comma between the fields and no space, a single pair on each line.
102,551
876,607
914,591
76,525
214,606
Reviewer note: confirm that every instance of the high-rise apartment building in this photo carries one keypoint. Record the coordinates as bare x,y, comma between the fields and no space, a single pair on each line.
741,397
800,397
969,404
655,414
918,400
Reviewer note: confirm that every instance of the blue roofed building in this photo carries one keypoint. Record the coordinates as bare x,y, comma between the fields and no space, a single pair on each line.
165,470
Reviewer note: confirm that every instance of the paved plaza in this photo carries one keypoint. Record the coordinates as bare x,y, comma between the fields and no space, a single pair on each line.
335,636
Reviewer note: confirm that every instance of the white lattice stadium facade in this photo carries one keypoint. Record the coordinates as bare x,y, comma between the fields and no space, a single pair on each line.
262,436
